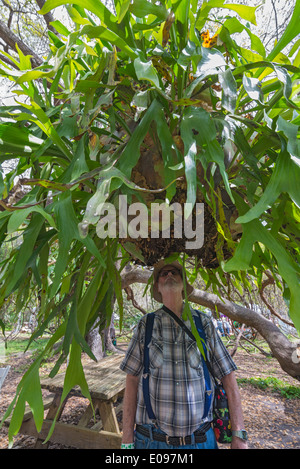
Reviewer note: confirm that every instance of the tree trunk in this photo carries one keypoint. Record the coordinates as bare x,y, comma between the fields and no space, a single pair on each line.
287,353
94,341
100,342
109,336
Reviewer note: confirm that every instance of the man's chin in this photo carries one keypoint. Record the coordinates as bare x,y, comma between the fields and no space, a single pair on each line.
171,287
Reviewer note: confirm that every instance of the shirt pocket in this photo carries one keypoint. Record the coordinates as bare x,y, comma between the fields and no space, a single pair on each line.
156,353
194,357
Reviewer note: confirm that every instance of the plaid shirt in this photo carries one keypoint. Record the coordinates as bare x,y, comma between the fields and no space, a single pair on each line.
177,385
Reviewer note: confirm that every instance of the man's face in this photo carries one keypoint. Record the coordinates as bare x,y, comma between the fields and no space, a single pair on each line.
169,280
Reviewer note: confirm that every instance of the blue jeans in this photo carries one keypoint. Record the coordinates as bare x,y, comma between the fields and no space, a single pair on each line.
144,442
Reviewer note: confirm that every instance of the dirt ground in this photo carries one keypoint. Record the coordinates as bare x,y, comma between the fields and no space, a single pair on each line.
272,421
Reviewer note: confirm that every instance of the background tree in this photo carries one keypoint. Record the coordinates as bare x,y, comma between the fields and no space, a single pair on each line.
22,27
147,103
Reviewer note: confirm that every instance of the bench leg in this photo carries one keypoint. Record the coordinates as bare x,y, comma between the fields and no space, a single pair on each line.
50,416
108,416
86,417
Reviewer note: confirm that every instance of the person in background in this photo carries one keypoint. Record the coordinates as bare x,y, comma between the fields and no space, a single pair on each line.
220,327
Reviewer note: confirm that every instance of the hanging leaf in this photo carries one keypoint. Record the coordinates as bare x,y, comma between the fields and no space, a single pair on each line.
285,178
45,124
146,71
116,278
253,88
67,232
167,26
212,62
18,217
253,232
229,89
16,140
190,152
142,8
245,12
103,33
24,252
131,153
74,376
29,390
31,393
198,129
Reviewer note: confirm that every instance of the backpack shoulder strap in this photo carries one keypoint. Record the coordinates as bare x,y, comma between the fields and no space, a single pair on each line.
200,329
206,366
148,335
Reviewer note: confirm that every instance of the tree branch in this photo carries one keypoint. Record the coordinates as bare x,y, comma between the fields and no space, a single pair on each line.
11,40
282,349
233,351
276,20
130,296
270,281
49,18
8,62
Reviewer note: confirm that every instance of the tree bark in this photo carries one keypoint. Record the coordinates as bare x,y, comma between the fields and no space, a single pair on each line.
11,40
285,351
8,62
48,16
109,336
94,341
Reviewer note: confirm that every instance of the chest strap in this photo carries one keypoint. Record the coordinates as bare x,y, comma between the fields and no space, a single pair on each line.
148,335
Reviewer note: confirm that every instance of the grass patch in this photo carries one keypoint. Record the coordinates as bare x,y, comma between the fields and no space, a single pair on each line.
274,385
19,345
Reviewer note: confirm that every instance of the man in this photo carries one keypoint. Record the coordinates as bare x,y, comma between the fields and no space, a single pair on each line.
176,382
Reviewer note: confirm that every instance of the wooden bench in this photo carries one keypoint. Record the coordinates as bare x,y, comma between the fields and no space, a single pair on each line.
47,401
106,383
3,374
